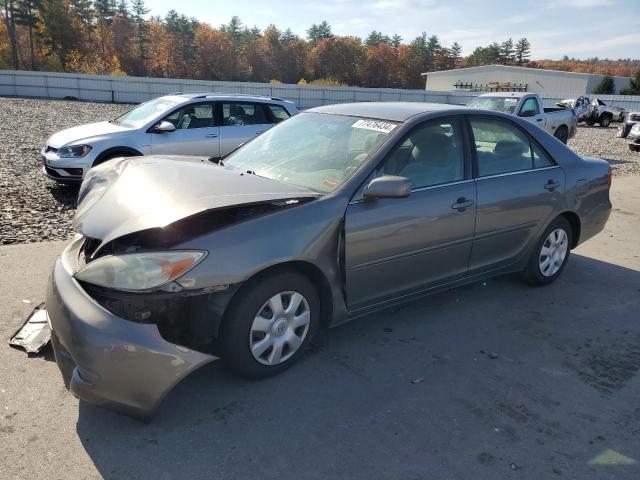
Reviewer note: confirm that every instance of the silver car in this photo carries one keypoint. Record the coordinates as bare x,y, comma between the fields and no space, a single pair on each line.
205,124
338,212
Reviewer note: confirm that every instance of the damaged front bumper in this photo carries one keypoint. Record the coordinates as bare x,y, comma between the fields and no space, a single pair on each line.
110,361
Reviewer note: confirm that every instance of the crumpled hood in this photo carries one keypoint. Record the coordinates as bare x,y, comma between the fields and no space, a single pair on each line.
156,191
84,132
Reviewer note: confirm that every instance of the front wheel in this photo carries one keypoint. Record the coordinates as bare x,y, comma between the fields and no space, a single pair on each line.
269,324
550,254
623,130
562,134
605,120
634,148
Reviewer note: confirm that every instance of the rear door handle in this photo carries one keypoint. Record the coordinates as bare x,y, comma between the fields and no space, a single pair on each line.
462,204
539,120
212,135
551,185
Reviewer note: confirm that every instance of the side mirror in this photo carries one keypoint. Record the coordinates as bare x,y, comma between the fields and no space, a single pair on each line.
164,127
528,113
388,186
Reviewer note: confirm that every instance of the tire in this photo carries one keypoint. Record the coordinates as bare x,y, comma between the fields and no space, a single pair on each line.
605,120
623,130
634,148
562,134
253,333
590,121
535,273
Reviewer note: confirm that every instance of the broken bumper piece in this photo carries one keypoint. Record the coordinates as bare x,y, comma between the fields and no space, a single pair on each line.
35,333
107,360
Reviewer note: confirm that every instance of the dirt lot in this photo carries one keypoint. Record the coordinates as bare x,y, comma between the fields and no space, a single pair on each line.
33,208
495,380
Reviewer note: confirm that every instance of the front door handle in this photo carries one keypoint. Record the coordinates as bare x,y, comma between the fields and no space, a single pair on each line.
551,185
258,133
212,135
462,204
539,120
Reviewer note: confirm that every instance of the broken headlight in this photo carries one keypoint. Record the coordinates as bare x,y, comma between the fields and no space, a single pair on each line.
135,272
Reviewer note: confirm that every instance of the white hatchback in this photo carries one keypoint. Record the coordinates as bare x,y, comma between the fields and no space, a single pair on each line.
202,124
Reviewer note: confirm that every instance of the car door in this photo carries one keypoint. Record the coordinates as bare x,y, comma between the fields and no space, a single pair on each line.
396,246
519,190
241,122
533,112
195,133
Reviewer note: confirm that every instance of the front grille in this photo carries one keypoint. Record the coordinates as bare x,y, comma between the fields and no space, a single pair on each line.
76,172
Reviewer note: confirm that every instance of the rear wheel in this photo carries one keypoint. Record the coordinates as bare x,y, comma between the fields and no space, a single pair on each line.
269,324
590,121
623,130
604,120
550,254
562,134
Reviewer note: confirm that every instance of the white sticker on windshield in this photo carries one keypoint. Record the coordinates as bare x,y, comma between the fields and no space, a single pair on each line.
376,125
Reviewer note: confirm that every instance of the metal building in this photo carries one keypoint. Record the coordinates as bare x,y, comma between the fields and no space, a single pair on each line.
505,77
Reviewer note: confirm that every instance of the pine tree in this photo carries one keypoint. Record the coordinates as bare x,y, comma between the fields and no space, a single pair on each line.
606,86
507,52
396,41
523,51
27,15
376,38
83,10
316,33
104,11
288,36
455,54
123,9
10,11
139,10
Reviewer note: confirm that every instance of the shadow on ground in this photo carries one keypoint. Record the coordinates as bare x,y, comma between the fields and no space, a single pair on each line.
494,380
65,195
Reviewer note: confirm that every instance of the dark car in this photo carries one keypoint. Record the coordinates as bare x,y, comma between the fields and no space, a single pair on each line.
340,211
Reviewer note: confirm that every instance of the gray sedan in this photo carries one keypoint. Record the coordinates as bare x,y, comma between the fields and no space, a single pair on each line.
338,212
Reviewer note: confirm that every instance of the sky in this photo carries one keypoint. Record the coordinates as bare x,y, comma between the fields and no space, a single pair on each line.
577,28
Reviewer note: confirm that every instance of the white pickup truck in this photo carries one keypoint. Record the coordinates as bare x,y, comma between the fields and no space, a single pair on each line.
559,122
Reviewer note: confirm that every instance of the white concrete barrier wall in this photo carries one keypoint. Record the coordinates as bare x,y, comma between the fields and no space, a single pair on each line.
139,89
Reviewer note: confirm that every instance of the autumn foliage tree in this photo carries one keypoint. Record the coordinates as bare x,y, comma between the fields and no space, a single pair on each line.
117,37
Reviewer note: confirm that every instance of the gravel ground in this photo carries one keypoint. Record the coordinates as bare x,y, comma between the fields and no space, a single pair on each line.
34,208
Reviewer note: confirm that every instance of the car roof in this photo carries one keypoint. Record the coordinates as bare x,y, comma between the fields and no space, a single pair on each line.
224,96
394,111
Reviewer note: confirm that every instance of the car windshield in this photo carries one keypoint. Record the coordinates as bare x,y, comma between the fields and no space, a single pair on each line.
313,150
498,104
145,112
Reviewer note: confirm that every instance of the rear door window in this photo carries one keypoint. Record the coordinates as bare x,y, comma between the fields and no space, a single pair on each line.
243,113
503,148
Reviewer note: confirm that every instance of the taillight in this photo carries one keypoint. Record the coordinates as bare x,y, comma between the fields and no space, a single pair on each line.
610,177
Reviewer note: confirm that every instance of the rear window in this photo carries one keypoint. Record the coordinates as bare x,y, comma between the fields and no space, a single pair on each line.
278,113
